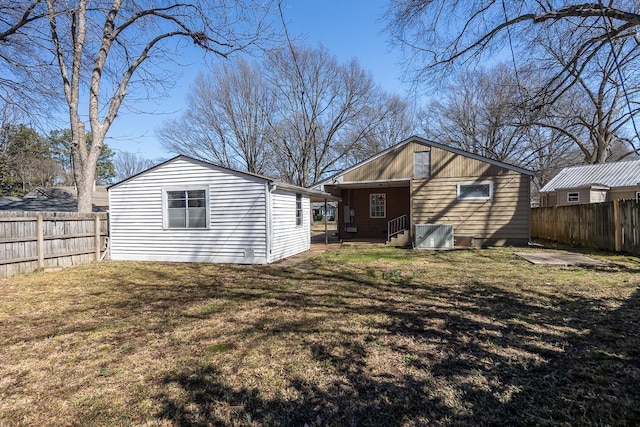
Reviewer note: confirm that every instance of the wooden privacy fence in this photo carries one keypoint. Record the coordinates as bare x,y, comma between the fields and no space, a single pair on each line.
613,226
31,241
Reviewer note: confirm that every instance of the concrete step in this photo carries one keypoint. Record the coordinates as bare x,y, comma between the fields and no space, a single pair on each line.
400,240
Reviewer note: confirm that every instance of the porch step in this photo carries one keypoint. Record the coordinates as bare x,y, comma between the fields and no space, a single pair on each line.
400,240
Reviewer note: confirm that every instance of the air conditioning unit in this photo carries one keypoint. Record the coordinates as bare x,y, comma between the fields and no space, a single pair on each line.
434,236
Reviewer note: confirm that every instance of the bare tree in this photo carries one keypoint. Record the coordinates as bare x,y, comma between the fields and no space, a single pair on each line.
597,112
226,121
23,70
480,113
129,164
320,106
104,49
438,33
393,120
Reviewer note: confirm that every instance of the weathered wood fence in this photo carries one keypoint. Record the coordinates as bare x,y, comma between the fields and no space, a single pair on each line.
31,241
613,226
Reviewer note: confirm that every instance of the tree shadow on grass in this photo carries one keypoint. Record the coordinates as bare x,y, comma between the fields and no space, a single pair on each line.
480,355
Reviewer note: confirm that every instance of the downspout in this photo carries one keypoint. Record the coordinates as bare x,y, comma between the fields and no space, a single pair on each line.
269,188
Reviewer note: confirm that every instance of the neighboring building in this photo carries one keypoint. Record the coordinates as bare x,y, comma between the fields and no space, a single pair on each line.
100,196
40,204
425,192
189,210
598,183
319,210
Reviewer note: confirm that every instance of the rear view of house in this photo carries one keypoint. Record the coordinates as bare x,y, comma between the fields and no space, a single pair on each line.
593,184
193,211
432,195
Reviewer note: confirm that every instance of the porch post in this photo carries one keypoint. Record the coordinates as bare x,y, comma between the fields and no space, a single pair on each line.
326,236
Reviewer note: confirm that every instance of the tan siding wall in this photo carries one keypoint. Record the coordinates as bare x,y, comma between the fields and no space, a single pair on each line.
397,164
585,194
445,164
503,219
624,193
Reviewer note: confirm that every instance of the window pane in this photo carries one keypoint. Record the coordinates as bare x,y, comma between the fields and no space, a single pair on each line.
475,191
197,218
172,195
196,194
196,203
177,218
177,203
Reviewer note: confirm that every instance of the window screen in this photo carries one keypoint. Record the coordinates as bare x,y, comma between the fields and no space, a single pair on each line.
422,164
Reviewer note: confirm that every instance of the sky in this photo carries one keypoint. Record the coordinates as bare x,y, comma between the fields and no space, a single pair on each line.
347,28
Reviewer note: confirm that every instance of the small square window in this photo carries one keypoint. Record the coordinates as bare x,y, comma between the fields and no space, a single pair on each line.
475,191
637,196
378,205
186,209
573,197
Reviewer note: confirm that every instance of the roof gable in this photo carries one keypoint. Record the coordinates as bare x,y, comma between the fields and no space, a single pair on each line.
424,142
282,185
616,174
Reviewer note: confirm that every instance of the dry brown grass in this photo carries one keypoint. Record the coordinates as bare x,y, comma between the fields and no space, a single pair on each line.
364,336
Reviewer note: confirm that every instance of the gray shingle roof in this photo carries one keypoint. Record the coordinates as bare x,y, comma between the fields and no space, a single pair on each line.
40,204
618,174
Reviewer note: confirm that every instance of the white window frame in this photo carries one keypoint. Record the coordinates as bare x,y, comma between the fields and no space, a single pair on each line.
573,193
474,183
185,188
384,205
637,196
299,211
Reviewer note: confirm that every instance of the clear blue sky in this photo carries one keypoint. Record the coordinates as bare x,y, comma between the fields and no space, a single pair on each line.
347,28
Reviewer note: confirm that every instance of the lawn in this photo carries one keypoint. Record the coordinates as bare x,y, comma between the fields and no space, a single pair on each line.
357,336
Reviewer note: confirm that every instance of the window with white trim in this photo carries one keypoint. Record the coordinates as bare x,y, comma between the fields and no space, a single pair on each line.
573,197
637,196
475,190
186,208
378,205
299,210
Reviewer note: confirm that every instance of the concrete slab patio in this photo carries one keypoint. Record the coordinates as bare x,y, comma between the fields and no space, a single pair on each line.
559,258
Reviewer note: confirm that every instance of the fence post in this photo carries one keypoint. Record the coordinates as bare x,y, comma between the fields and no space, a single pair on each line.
617,235
40,241
97,236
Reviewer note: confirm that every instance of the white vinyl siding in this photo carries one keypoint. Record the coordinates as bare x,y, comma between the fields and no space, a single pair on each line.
237,222
288,238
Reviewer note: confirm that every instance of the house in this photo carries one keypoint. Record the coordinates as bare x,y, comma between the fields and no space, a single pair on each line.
100,196
430,195
597,183
193,211
40,204
318,209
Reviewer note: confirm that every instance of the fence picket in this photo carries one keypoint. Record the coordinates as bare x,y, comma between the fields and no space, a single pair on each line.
613,226
33,240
